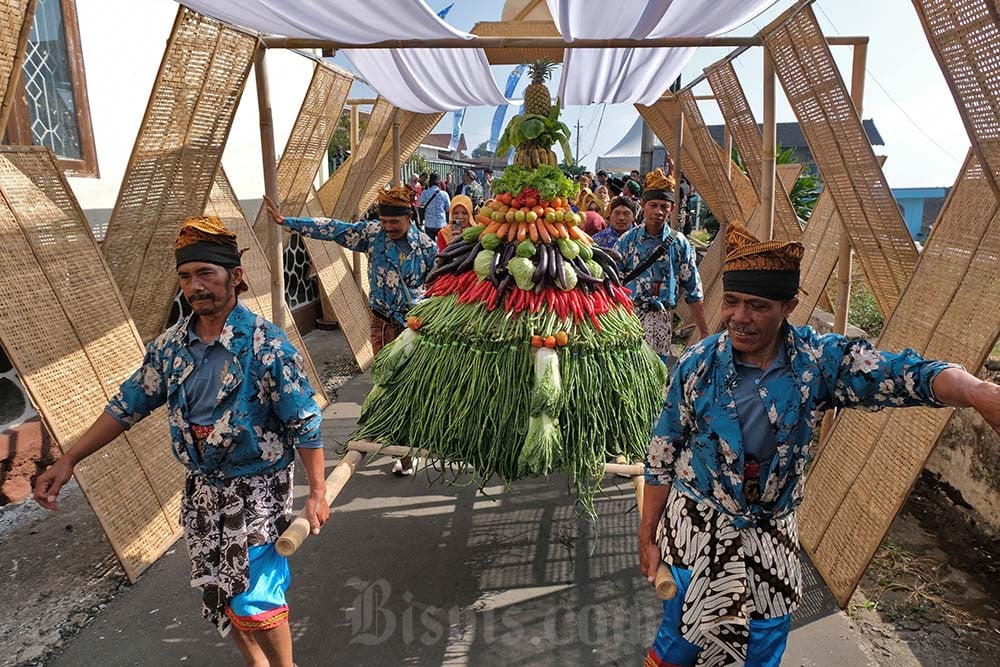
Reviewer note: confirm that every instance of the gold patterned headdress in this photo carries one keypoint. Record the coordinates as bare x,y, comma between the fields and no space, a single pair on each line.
394,201
206,239
769,269
658,186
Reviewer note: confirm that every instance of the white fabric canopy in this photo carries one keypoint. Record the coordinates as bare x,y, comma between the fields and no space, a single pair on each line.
637,75
421,80
626,154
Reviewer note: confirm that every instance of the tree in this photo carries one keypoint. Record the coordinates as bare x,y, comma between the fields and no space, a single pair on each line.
482,151
342,135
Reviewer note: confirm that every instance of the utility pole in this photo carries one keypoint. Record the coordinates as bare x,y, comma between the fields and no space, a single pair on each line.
576,158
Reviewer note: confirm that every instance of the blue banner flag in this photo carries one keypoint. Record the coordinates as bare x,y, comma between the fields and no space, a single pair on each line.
456,129
444,12
501,111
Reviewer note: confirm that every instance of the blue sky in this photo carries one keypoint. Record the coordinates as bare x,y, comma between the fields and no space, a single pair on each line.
904,92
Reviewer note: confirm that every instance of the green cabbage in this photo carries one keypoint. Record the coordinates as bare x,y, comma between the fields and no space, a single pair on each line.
482,263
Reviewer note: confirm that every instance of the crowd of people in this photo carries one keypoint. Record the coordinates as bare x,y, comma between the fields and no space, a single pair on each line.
725,462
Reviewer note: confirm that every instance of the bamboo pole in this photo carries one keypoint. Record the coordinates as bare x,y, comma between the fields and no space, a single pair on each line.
275,249
768,157
278,42
846,258
299,529
396,450
663,582
397,166
675,213
727,146
355,128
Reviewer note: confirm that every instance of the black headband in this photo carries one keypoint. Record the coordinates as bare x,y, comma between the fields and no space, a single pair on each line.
767,284
391,210
226,256
658,194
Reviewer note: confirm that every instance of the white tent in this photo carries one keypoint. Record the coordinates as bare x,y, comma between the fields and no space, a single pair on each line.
625,155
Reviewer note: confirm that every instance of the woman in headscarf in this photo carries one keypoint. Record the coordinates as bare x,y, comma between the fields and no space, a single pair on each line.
460,217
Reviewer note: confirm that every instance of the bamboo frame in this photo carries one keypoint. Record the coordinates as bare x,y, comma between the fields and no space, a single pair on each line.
14,74
768,148
275,248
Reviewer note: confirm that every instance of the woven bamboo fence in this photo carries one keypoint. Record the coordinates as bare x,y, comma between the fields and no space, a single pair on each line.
870,461
16,19
749,141
172,168
964,35
257,272
816,91
67,331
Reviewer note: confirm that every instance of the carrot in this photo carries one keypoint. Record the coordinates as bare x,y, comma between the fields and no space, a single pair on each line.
502,230
533,232
580,235
522,232
512,232
543,232
490,228
551,227
561,228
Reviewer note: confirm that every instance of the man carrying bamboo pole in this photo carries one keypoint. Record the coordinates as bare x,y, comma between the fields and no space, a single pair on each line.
657,263
725,467
240,405
399,259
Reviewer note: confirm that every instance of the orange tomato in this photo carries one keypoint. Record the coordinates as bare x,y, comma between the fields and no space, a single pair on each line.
536,341
539,211
562,338
550,341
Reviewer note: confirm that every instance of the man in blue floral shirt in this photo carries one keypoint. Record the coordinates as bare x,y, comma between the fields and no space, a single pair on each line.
399,258
726,465
239,406
656,288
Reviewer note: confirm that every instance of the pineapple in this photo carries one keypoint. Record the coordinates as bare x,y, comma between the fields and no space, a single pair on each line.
536,95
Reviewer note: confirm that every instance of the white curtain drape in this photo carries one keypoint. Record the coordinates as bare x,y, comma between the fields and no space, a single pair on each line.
637,75
421,80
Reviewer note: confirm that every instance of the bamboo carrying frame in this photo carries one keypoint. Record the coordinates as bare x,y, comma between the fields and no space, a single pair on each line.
173,165
68,333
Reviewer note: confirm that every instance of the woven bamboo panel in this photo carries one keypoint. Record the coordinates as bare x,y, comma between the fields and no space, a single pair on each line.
660,117
307,143
713,165
68,333
363,162
871,460
830,123
257,272
748,140
16,19
173,164
518,29
964,35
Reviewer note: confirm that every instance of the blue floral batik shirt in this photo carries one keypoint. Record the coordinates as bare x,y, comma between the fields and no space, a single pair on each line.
264,406
396,270
697,444
658,287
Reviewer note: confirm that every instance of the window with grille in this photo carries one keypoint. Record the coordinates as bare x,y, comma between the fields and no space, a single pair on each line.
51,108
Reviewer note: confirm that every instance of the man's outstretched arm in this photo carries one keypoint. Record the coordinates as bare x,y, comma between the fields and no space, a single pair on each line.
957,388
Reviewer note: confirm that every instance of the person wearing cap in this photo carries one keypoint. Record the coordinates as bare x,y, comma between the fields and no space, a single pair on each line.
726,464
399,258
239,406
658,262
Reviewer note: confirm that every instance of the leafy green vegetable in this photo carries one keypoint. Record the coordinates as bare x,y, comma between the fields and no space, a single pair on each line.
526,249
594,268
481,265
568,249
570,277
522,269
549,181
